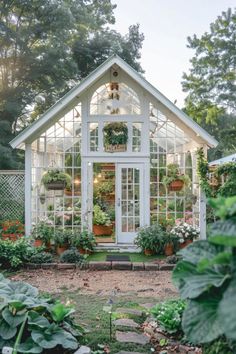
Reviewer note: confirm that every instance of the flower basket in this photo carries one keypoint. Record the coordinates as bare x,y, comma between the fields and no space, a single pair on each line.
115,148
56,186
11,237
100,230
176,185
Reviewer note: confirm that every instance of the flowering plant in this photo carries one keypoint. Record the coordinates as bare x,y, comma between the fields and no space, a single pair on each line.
12,227
185,232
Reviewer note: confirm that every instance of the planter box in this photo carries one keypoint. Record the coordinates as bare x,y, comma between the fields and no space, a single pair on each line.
11,237
100,230
56,186
115,148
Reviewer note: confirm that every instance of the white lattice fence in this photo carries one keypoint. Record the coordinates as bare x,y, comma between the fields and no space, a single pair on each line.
12,191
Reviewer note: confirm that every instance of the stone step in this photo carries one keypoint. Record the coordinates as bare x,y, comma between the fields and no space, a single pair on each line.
131,337
129,311
126,322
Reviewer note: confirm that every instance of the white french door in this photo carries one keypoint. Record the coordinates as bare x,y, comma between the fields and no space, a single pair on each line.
129,201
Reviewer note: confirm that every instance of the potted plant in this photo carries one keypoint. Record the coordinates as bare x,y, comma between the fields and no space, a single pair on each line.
62,240
56,179
42,234
174,180
101,222
115,136
85,242
12,230
171,243
185,233
151,239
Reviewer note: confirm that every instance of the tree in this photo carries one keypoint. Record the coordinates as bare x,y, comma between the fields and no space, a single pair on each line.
211,84
44,45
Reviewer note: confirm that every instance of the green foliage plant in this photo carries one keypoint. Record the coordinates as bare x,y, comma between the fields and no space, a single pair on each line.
100,217
63,237
41,257
56,175
43,230
173,174
85,240
151,238
203,172
115,133
206,278
71,256
42,322
168,315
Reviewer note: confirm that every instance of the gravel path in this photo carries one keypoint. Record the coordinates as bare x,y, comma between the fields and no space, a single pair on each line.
156,284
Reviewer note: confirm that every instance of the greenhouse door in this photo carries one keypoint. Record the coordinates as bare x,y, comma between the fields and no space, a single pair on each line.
129,201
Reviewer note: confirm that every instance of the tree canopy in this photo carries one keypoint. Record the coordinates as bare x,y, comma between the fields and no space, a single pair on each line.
211,82
46,46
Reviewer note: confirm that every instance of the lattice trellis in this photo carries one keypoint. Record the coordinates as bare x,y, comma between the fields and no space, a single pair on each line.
12,195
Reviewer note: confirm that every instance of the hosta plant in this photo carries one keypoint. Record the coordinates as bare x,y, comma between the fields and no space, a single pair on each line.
33,324
206,278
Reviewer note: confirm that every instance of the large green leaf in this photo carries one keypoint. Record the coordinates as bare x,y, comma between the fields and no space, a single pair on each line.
18,290
227,310
60,311
198,250
6,331
223,233
11,319
37,320
201,322
192,283
47,338
68,341
29,347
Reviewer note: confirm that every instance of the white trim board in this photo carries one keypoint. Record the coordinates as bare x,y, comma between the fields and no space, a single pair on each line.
34,130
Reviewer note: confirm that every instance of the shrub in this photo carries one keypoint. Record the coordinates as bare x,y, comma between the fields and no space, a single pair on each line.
43,231
169,315
14,254
151,238
85,240
207,278
42,257
71,256
63,237
34,324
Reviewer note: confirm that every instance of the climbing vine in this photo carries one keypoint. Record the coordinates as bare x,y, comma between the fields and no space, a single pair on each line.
203,172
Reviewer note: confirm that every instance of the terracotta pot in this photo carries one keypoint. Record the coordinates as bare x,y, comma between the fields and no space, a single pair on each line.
83,251
148,252
185,244
11,237
100,230
38,243
176,185
169,249
48,246
61,249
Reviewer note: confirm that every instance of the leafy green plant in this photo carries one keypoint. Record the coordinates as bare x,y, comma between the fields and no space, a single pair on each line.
228,170
63,237
42,231
85,240
71,256
34,324
185,231
56,175
169,315
14,254
115,133
173,174
41,257
206,277
151,238
100,217
203,172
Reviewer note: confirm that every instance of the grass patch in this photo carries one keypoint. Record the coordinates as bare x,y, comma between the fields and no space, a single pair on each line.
90,313
134,257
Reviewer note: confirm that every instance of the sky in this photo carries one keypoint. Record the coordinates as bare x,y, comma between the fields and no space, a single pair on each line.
166,25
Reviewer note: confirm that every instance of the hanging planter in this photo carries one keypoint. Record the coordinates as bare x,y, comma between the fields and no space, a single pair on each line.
175,181
115,137
176,185
56,180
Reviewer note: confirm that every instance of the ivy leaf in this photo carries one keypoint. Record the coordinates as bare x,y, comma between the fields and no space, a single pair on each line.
6,331
12,320
201,322
191,283
227,310
223,233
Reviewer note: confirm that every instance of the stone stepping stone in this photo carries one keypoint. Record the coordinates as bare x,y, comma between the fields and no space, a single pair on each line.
129,311
126,322
131,337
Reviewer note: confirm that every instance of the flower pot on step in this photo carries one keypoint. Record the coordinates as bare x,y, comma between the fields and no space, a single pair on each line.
100,230
61,249
169,249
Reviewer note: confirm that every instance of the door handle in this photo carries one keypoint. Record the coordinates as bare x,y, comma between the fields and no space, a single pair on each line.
118,202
